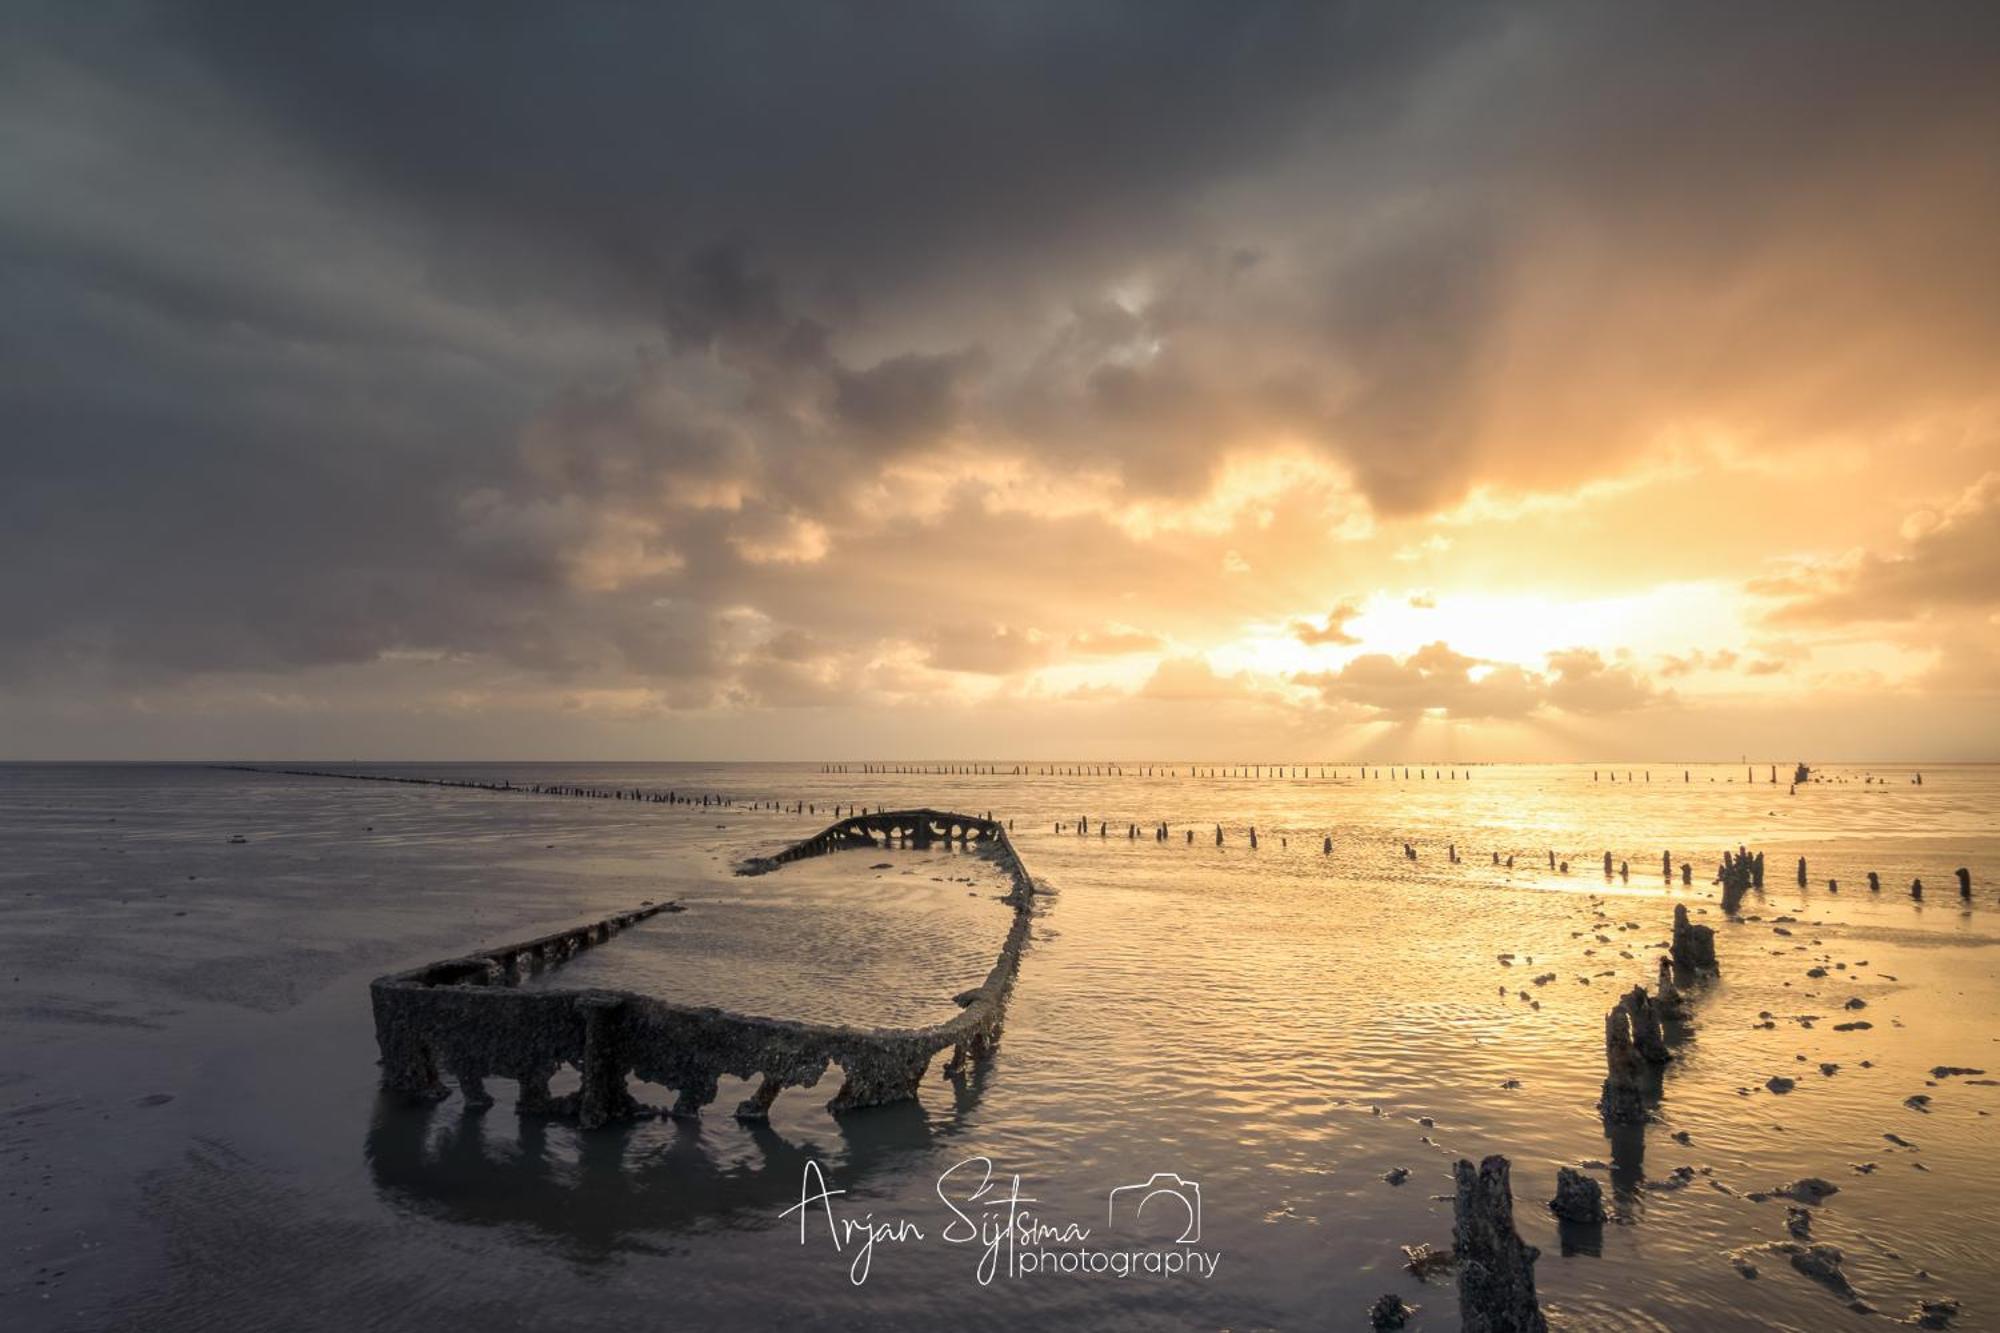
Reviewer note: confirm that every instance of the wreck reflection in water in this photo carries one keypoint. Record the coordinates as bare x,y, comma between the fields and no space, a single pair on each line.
620,1188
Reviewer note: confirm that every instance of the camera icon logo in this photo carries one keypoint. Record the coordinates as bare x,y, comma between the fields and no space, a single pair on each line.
1167,1186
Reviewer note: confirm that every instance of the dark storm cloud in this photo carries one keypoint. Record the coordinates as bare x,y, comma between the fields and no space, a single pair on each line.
560,338
858,146
907,399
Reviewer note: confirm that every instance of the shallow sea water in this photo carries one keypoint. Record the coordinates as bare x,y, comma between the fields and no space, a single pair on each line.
880,938
190,1135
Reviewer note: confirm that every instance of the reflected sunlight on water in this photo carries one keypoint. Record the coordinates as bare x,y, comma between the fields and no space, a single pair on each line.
1284,1025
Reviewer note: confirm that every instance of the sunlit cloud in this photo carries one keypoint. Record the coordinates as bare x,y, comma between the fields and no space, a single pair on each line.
1449,381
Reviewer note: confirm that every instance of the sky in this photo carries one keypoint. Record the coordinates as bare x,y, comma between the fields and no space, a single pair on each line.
834,381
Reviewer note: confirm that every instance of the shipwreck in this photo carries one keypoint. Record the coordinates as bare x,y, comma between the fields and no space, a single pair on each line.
466,1019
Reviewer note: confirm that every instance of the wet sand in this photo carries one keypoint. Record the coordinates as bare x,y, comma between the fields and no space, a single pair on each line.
192,1136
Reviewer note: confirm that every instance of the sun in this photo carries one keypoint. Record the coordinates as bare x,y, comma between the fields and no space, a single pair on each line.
1520,629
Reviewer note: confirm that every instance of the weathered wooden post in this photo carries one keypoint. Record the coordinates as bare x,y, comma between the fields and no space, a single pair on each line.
1693,946
603,1094
1496,1268
1623,1100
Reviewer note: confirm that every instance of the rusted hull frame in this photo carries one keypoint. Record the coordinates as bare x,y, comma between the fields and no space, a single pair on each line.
461,1019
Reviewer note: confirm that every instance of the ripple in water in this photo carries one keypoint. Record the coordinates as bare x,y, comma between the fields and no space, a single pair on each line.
1283,1025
